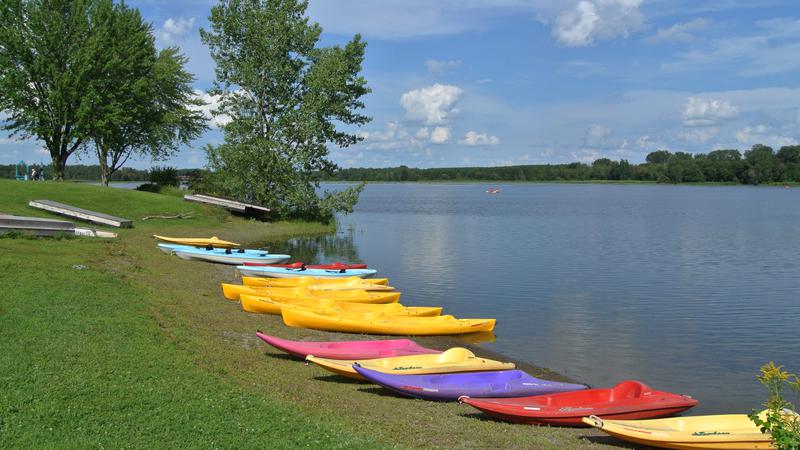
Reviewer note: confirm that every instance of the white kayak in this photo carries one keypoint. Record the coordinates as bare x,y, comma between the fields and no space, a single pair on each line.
282,272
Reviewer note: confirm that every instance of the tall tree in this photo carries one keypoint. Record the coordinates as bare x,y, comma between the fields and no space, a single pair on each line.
285,96
48,63
147,105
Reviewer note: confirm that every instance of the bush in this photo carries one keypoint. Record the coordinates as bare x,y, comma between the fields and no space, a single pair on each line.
779,421
164,176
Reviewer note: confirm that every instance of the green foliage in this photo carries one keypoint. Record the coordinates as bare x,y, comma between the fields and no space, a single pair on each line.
720,166
778,419
147,105
49,61
164,176
285,96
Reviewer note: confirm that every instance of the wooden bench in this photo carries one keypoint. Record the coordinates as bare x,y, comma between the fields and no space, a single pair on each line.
231,205
36,226
80,213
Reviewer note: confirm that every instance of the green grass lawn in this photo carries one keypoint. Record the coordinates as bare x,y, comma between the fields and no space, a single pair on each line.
111,343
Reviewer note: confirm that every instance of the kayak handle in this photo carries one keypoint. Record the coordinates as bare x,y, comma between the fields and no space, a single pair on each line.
598,422
461,399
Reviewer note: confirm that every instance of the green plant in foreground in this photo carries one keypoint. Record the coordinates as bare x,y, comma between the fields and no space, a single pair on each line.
779,421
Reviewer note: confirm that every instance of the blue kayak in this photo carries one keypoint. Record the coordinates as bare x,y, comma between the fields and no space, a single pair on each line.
451,386
283,272
225,255
171,248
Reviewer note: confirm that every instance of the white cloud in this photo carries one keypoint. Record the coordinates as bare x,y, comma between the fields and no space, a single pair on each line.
592,20
423,133
596,135
763,134
770,48
436,66
440,135
680,32
475,138
174,29
431,105
211,104
703,112
699,135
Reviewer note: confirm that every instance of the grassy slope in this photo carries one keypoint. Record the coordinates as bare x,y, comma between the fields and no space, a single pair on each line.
140,349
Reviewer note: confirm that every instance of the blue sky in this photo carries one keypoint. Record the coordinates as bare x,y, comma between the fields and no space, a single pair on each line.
501,82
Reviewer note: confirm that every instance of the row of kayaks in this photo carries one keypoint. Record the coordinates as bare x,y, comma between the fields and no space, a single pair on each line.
630,410
255,262
353,307
340,298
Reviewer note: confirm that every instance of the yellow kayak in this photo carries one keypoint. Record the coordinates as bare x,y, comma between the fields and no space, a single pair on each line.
729,431
385,324
233,291
198,242
265,305
326,283
456,359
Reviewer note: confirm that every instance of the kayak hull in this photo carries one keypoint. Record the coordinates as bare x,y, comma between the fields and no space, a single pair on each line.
450,361
234,258
625,401
386,325
379,283
299,265
234,291
348,349
280,272
198,242
728,431
451,386
264,305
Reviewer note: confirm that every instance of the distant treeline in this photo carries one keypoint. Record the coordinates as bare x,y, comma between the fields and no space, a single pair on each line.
92,173
760,164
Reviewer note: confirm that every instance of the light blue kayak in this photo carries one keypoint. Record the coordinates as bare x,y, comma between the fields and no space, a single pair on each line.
171,248
281,272
227,256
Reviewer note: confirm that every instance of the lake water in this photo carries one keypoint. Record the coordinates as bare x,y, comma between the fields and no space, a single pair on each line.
686,288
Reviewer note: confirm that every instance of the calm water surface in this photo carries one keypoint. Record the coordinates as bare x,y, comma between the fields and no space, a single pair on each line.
688,289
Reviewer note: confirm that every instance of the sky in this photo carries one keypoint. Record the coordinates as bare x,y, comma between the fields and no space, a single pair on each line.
506,82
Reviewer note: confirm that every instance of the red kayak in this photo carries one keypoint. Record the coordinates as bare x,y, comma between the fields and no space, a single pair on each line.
627,400
299,265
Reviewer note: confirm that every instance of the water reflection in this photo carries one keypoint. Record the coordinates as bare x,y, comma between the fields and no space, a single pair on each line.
328,248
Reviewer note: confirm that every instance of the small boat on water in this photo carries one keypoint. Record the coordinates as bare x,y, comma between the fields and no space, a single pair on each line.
228,256
348,349
301,265
282,272
451,386
727,431
264,305
626,400
363,283
456,359
198,242
385,324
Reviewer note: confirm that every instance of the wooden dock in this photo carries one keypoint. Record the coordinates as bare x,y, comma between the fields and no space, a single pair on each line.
36,226
231,205
80,213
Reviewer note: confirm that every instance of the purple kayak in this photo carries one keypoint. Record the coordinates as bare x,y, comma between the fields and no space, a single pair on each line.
450,386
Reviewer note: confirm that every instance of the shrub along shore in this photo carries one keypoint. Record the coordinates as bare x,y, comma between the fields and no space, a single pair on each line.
111,343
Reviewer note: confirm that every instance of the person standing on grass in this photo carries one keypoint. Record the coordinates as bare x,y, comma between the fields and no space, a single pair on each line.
33,173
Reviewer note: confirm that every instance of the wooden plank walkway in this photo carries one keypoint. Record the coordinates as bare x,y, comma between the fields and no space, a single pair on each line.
36,226
80,213
232,205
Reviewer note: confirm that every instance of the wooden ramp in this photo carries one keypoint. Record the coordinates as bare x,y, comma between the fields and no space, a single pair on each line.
36,226
231,205
81,214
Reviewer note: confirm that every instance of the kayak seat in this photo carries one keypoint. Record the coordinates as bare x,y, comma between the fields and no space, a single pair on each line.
627,389
456,354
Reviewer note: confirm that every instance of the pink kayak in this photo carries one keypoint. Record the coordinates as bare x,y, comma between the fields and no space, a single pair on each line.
348,349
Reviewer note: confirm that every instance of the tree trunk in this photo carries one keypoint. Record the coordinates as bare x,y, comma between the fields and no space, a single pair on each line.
104,172
59,167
